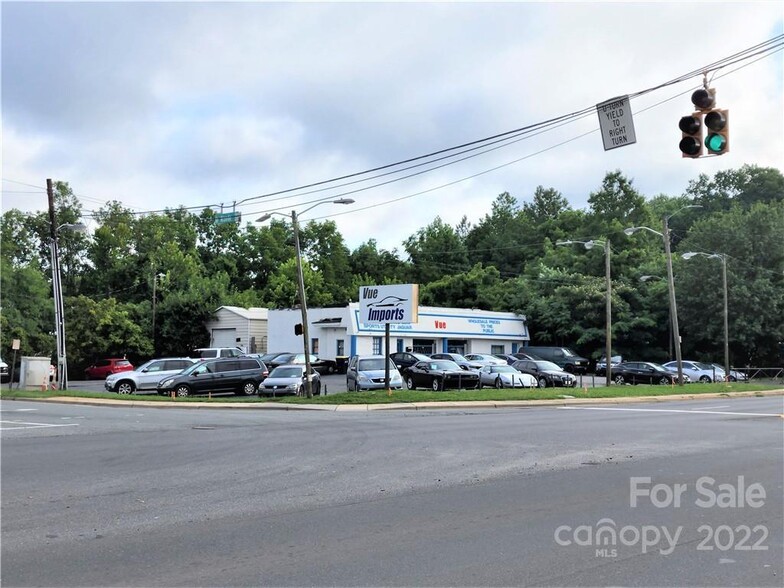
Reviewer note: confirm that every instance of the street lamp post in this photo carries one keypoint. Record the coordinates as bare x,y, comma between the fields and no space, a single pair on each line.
665,235
301,282
59,311
723,258
608,303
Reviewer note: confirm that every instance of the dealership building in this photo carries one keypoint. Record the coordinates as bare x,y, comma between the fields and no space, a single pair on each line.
339,332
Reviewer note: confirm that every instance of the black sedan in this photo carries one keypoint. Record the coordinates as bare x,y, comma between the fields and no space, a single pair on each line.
440,374
405,359
642,372
547,373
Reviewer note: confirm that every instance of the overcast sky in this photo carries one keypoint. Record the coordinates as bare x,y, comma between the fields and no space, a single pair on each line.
198,104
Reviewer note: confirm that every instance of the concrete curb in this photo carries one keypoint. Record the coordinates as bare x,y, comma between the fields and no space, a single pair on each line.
473,404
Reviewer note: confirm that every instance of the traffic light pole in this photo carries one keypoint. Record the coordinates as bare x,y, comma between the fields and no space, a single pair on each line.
303,305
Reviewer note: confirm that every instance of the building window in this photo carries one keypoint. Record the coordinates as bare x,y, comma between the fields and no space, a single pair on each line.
497,349
341,351
314,345
377,345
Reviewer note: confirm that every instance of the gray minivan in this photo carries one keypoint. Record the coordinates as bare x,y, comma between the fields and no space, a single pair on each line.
563,357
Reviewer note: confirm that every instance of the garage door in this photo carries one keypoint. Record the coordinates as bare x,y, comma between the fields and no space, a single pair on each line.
224,338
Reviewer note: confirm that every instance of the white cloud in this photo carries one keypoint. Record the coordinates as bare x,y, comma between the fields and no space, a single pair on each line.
201,103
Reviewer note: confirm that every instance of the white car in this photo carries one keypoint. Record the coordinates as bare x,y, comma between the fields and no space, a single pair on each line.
485,359
735,375
697,371
505,376
147,376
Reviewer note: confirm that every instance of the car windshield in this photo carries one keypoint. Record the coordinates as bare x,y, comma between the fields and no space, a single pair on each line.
503,368
547,365
286,372
568,352
420,356
658,366
457,357
376,363
706,366
442,364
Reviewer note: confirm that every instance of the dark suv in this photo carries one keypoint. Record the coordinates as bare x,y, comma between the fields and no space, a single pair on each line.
241,375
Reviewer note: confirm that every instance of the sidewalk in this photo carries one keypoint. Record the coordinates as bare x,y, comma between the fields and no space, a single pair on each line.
476,404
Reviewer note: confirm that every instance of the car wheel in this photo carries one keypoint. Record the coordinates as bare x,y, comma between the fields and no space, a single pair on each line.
733,379
330,369
249,388
705,379
125,387
542,382
317,391
664,381
436,385
498,383
182,390
410,383
619,379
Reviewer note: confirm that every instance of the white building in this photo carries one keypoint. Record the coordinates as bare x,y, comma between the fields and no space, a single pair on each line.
245,328
337,332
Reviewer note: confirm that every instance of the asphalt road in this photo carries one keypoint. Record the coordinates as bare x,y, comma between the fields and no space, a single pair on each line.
118,496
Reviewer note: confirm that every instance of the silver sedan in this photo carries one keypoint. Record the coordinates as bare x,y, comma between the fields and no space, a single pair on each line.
505,376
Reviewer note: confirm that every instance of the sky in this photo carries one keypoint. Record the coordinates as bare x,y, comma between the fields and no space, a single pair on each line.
200,104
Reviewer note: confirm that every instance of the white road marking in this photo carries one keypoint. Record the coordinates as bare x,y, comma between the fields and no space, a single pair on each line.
4,427
673,410
713,407
18,410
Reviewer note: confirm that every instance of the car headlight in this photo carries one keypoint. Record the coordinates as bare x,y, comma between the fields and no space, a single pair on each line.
363,378
291,386
166,383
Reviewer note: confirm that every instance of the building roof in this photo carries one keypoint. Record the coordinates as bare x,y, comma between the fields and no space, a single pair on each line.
246,313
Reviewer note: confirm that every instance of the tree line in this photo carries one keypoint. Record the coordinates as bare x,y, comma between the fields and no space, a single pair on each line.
143,285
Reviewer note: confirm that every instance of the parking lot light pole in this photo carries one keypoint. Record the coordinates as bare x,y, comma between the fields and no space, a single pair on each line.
301,282
605,243
665,235
723,258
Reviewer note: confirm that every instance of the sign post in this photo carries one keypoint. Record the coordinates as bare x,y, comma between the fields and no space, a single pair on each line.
382,305
616,124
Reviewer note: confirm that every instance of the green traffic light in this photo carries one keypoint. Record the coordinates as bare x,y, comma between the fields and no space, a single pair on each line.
715,143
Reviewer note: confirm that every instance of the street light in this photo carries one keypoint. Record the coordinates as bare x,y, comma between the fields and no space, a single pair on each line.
301,281
608,326
59,314
665,235
723,258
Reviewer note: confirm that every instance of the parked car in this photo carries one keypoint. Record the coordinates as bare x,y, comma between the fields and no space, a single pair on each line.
698,371
241,375
642,372
458,359
367,372
485,359
5,375
215,352
505,376
601,365
440,374
735,375
290,379
405,359
105,367
147,375
547,373
563,357
508,357
520,355
322,366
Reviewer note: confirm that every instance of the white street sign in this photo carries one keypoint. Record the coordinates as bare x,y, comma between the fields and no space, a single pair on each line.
616,124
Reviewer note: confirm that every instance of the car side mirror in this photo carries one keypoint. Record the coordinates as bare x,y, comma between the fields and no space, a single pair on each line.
145,370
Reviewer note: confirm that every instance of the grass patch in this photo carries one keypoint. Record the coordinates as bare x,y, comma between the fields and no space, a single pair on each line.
385,397
408,396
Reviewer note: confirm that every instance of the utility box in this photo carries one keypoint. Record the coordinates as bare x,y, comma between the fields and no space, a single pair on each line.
34,373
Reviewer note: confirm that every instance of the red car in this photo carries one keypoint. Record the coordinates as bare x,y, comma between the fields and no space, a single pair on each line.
103,367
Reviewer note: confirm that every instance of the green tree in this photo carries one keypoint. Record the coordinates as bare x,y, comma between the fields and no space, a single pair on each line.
435,251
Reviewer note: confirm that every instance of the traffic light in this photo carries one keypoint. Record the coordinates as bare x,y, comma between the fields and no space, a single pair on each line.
298,329
717,140
704,99
691,138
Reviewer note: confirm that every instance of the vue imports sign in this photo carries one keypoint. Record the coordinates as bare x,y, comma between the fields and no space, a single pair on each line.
616,124
396,303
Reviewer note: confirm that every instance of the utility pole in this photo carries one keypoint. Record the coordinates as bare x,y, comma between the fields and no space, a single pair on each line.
303,305
608,309
673,309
